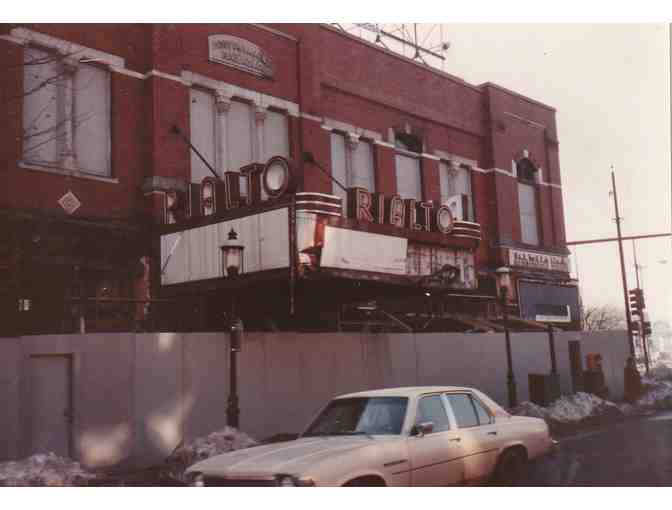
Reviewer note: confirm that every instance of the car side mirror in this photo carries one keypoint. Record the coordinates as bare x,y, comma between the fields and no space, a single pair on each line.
423,428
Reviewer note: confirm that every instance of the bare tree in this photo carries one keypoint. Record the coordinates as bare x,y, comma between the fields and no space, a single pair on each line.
46,74
603,318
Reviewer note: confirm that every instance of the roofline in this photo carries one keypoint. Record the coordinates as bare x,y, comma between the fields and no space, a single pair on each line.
407,60
438,72
516,94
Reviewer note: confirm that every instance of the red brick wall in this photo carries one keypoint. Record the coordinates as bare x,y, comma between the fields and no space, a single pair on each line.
30,189
329,75
516,124
431,184
386,179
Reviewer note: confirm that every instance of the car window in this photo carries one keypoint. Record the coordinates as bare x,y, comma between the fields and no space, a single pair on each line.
360,415
463,409
430,408
484,417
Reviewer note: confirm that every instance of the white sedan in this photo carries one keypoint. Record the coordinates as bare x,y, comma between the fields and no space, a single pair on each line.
418,436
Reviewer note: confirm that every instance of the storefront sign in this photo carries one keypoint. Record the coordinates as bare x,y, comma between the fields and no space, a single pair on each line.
277,179
410,214
542,261
241,54
212,195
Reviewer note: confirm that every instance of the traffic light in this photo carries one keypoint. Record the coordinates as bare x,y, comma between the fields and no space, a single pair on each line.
646,328
636,297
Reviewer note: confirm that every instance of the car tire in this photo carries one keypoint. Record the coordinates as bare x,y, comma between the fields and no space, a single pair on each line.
511,468
366,481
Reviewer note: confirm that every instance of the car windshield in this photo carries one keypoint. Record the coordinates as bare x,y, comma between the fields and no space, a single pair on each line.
352,416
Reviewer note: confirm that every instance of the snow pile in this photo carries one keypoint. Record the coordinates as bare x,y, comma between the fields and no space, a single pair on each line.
220,441
571,410
662,371
657,394
43,470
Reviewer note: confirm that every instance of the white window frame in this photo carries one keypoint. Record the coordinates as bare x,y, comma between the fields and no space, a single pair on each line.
71,57
537,238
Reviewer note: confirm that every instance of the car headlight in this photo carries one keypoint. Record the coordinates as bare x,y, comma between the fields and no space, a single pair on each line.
195,479
292,481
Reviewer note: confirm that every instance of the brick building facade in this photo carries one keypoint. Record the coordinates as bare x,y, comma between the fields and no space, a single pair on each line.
104,201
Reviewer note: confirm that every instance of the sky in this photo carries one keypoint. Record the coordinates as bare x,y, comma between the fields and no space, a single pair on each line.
610,86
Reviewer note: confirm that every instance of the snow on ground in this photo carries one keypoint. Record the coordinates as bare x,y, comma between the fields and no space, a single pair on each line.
220,441
43,470
570,409
658,387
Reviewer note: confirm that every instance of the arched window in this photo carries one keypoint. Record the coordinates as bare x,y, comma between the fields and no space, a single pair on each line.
527,201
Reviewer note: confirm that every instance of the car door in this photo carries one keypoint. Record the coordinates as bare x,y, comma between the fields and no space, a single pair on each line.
479,435
435,456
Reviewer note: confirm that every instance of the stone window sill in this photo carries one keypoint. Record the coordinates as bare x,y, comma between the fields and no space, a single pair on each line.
68,173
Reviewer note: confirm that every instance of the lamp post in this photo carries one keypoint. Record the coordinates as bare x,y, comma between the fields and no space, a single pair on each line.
232,266
503,273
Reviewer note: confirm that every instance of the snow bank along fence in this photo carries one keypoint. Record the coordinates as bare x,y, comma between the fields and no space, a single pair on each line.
127,400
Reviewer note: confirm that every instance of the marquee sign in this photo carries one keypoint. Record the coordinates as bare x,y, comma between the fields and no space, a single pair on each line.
241,54
542,261
277,179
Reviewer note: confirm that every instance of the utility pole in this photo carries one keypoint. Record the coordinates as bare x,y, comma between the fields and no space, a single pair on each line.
628,318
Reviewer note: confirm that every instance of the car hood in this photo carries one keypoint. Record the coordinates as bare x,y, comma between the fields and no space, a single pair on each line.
290,457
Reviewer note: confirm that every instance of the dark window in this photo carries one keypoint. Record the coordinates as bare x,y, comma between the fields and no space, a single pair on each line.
431,408
484,417
464,411
525,170
408,142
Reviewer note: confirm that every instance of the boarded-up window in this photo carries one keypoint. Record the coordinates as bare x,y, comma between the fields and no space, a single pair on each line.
43,126
66,110
456,180
202,125
528,213
276,135
92,119
363,167
240,138
338,168
408,177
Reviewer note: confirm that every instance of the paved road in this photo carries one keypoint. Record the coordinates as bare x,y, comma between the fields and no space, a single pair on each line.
632,453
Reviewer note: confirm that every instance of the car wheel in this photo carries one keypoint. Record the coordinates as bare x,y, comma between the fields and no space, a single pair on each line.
366,481
511,468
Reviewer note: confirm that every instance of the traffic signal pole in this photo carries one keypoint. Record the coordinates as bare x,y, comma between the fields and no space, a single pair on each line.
628,318
642,329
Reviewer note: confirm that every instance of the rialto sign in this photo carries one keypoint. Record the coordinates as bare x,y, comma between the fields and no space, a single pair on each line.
276,180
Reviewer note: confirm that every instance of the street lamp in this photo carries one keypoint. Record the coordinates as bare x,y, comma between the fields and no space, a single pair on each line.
232,266
232,255
504,278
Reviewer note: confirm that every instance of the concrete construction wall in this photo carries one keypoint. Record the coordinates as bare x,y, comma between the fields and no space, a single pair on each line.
134,397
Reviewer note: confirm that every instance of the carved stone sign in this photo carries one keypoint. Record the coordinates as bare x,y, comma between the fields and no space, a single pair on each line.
241,54
543,261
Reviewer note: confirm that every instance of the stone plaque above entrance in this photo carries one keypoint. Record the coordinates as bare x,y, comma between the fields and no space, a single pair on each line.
241,54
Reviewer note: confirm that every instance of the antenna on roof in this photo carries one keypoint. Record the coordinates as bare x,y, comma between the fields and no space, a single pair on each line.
424,40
